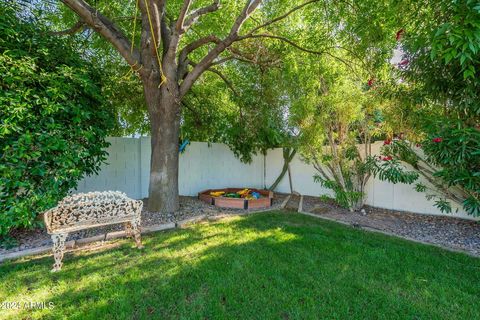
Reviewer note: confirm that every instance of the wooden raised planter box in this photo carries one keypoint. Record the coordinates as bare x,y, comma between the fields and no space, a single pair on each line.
236,203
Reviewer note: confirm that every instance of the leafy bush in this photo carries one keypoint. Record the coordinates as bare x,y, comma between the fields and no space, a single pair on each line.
440,80
425,163
53,121
333,118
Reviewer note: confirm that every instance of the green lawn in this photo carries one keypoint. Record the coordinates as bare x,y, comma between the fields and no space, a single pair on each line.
263,266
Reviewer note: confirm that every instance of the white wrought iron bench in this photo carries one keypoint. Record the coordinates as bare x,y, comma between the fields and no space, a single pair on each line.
90,210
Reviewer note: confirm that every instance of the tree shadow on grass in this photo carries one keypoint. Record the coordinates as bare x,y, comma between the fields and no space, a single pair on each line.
264,266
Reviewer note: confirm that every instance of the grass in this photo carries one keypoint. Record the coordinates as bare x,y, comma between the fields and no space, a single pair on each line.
265,266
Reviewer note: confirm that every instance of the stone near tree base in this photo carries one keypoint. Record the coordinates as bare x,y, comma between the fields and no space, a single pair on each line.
90,210
159,227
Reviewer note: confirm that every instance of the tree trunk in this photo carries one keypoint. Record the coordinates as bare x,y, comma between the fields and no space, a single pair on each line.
164,113
287,158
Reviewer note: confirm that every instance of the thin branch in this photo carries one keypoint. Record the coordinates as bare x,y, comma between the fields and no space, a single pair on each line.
282,16
197,44
78,26
293,44
221,75
105,28
197,118
249,8
183,61
195,15
239,57
181,18
290,42
205,63
223,60
225,79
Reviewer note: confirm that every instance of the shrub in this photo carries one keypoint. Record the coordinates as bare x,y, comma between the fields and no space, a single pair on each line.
53,121
439,101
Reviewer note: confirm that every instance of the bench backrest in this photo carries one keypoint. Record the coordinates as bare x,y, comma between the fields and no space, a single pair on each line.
90,209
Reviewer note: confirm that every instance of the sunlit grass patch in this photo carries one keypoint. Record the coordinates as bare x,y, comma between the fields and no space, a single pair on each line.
263,266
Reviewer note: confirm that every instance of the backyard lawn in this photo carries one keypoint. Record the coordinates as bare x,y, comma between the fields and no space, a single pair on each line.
273,265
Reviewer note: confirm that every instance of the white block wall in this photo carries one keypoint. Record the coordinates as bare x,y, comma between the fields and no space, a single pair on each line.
206,166
202,166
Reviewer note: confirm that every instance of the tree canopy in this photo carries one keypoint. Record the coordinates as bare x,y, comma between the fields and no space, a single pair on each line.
251,73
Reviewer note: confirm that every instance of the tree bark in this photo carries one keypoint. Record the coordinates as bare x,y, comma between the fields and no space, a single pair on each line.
165,130
288,155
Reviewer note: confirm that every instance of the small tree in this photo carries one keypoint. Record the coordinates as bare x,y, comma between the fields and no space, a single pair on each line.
333,119
54,121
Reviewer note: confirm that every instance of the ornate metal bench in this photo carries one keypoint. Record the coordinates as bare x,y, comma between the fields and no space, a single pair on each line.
90,210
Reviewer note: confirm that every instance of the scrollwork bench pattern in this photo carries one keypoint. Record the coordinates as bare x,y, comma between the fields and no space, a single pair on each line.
90,210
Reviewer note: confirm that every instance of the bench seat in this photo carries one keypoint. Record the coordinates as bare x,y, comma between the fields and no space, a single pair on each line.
90,210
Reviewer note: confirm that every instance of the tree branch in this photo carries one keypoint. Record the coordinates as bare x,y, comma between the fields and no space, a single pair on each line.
290,42
205,63
220,61
282,16
195,15
105,28
183,56
293,44
165,31
225,79
181,18
249,8
221,75
197,118
197,44
78,26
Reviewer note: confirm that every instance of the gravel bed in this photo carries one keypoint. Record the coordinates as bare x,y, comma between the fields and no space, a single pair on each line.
450,232
190,207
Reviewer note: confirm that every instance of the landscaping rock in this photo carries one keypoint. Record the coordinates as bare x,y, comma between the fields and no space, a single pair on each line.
448,232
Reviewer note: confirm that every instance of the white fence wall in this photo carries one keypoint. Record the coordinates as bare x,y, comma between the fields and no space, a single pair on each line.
205,166
202,166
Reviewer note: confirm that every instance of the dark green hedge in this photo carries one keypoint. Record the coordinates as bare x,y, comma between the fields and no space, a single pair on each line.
53,121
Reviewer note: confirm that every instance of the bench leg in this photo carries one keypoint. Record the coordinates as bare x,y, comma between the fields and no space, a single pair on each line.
137,233
128,229
58,250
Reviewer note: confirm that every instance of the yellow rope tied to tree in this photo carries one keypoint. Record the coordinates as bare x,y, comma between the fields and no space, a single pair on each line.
132,67
162,76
